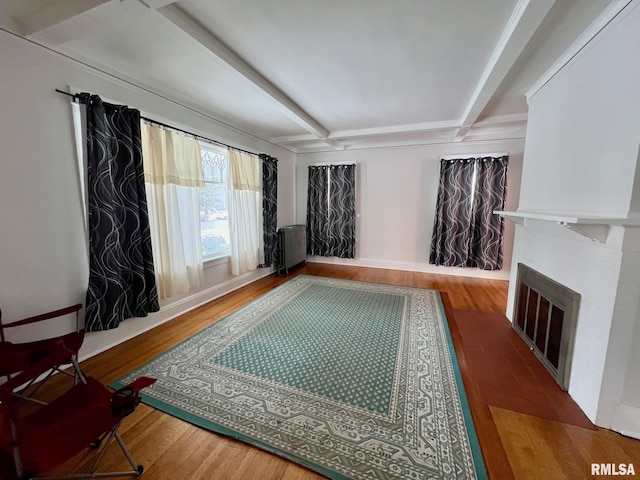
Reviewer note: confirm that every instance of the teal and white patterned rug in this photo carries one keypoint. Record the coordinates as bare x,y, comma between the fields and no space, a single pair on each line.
351,379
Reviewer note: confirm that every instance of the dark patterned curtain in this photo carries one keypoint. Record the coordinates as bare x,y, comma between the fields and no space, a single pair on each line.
121,276
317,211
450,240
270,208
487,229
342,211
466,233
331,211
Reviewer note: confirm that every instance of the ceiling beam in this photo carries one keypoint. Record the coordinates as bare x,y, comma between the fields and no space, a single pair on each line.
179,18
461,133
12,25
409,128
79,19
155,4
525,20
302,138
54,13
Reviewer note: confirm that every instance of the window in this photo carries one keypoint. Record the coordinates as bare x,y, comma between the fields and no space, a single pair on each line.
466,232
214,217
331,211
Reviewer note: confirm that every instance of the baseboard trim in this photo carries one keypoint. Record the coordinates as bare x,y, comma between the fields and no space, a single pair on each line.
98,342
415,267
626,420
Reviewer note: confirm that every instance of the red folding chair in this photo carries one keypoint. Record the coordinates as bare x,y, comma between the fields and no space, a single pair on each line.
37,350
84,417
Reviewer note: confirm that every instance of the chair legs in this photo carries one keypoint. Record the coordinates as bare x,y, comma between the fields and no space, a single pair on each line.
21,394
112,436
77,375
53,434
77,372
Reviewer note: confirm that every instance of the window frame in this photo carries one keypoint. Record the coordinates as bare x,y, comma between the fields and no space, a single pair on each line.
214,259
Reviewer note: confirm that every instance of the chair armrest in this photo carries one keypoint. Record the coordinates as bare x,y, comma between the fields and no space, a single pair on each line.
140,383
44,316
125,399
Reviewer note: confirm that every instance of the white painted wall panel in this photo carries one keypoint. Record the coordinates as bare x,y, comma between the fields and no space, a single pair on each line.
43,263
582,131
396,200
621,383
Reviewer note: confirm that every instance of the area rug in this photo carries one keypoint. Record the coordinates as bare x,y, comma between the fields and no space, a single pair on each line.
351,379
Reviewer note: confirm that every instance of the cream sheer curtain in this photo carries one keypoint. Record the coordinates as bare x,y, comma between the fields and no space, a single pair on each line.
244,187
173,177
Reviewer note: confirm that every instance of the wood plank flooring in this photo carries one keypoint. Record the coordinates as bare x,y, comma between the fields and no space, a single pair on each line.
514,444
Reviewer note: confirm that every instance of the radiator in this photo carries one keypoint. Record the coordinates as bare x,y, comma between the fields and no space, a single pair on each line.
292,246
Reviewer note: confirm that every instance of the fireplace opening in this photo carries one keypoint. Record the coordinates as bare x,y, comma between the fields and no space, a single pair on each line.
545,316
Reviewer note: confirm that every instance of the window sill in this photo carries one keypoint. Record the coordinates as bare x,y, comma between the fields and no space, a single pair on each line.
213,262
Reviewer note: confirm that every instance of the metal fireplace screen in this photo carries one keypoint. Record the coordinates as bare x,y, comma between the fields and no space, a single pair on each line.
545,317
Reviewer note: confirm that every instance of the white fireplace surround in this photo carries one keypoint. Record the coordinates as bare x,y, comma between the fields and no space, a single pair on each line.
579,208
594,226
604,272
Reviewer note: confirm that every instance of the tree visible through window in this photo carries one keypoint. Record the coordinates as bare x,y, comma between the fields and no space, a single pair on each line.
214,215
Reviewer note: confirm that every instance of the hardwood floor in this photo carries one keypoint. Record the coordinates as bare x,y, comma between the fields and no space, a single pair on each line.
514,444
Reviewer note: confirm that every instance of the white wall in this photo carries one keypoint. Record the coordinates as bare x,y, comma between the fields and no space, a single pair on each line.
581,156
396,200
43,263
620,401
582,130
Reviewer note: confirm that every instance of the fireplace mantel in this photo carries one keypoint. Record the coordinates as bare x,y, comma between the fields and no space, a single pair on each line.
595,227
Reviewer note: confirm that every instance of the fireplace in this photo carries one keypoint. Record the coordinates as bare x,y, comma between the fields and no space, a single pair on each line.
545,316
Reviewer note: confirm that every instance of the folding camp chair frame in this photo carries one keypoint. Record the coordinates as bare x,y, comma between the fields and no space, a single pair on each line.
122,403
24,363
111,435
76,337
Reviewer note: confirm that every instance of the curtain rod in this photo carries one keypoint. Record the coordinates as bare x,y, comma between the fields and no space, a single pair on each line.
75,96
473,155
329,164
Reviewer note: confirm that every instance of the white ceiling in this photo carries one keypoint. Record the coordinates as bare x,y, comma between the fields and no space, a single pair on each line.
314,75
